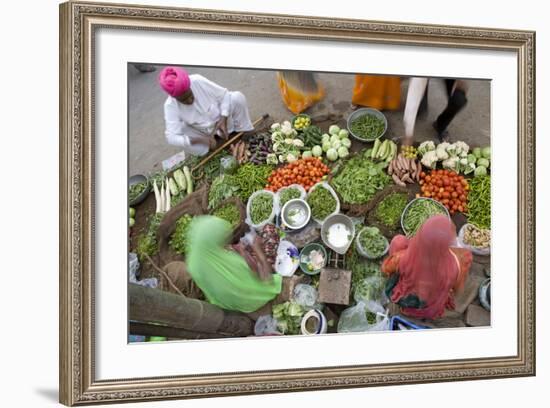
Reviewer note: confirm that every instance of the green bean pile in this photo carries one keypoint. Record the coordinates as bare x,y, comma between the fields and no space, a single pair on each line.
389,210
418,212
261,207
230,213
479,202
321,202
135,190
288,194
367,127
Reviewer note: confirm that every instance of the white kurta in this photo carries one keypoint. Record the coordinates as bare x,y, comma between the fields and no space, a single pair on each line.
196,122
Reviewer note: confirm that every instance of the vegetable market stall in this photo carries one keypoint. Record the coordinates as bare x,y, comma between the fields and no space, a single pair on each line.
381,188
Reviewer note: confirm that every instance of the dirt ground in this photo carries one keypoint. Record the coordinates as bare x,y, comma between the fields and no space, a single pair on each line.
148,146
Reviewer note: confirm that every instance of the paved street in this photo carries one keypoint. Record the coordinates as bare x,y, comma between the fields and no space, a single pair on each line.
148,146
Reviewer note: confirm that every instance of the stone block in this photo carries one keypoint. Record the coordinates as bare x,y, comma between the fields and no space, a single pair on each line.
477,316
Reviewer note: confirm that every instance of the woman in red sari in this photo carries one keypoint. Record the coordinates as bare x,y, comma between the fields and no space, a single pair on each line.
425,271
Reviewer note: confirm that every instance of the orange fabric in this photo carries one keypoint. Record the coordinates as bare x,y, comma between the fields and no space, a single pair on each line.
295,99
376,91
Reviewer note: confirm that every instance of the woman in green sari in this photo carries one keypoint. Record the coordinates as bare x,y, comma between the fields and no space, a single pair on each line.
223,275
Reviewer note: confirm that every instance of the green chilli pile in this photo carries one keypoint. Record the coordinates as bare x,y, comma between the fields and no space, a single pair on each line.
479,202
388,211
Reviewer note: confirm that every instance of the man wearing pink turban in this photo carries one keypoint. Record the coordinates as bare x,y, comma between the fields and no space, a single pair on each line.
197,110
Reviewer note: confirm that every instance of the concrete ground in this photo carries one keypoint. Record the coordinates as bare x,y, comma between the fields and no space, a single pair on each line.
148,146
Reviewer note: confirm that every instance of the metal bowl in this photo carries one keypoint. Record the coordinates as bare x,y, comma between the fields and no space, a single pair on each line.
407,209
337,219
363,251
363,111
306,251
135,179
295,214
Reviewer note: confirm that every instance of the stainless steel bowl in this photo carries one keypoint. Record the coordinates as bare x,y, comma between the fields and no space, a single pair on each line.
135,179
338,219
364,111
295,214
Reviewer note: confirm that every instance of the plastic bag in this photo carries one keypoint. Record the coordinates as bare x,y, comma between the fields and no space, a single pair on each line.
266,325
475,250
306,296
274,209
372,288
228,164
356,318
133,272
331,190
293,186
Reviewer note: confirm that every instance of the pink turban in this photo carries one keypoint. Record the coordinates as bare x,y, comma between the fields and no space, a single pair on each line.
175,81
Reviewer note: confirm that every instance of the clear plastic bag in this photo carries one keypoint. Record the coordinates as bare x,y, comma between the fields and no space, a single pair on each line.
306,296
475,250
371,289
355,318
266,325
274,209
133,272
299,187
228,164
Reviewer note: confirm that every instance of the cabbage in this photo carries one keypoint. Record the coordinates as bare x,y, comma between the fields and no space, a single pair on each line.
343,152
334,130
336,144
483,162
472,158
326,146
325,138
477,152
307,153
343,133
317,151
480,171
334,138
132,212
332,154
346,142
486,152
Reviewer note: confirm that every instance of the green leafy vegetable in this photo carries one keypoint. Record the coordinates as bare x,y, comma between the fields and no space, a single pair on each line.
372,241
178,240
289,317
135,190
230,213
360,179
147,242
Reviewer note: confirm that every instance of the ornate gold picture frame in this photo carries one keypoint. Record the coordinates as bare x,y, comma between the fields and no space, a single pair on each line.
78,24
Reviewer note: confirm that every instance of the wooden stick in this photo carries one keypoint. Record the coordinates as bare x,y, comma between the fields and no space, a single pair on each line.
227,143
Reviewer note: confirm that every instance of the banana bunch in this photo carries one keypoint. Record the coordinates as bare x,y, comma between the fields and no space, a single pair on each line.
384,151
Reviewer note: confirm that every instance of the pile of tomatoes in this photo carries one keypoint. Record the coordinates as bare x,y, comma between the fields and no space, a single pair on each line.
447,187
307,172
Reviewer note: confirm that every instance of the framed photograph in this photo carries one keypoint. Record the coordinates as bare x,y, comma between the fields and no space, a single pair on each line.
254,203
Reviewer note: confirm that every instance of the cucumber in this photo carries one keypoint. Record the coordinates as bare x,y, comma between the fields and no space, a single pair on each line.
375,149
